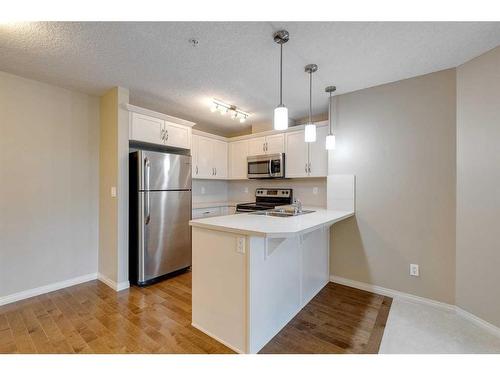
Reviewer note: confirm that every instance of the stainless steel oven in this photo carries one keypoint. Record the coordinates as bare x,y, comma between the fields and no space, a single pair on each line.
266,166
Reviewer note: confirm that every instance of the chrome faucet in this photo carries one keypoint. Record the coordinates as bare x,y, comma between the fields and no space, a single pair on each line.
298,205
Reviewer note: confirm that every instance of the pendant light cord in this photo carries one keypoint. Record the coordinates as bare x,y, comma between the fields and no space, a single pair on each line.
330,114
310,97
281,74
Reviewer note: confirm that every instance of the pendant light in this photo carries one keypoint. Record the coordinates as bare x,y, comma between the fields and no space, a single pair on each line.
310,129
281,112
330,138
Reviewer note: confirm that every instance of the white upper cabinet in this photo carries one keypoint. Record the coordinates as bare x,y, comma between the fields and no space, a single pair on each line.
306,159
296,155
238,152
219,158
275,144
256,146
318,155
150,129
177,135
209,158
272,144
146,128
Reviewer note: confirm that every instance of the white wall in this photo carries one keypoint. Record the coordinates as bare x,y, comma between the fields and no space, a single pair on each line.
49,165
399,141
478,181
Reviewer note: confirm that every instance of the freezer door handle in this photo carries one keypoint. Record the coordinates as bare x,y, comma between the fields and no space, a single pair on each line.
147,203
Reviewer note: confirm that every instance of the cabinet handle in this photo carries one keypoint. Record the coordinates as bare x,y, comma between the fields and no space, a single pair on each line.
215,171
196,170
166,135
305,168
309,168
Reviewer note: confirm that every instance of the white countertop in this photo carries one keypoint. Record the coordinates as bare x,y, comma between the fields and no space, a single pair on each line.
196,205
271,226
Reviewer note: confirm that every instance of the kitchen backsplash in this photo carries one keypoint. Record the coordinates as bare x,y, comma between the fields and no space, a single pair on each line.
311,191
210,191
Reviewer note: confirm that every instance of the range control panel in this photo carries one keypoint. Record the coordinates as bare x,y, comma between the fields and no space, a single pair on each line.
278,193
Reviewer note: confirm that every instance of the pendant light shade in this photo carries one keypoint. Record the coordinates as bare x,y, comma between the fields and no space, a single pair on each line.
310,128
281,112
310,133
330,138
330,142
281,118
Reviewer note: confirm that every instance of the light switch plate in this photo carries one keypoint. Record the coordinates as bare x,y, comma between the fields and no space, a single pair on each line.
113,191
203,190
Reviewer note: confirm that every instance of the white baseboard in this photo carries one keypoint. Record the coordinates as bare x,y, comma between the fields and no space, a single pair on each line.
216,338
113,284
478,321
46,288
390,292
413,298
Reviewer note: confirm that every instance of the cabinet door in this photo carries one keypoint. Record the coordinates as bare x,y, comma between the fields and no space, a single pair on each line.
146,129
200,213
275,144
296,157
177,135
204,158
194,156
256,146
238,152
318,156
219,152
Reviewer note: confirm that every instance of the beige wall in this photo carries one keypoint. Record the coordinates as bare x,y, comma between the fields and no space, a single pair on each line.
478,181
399,141
113,172
49,144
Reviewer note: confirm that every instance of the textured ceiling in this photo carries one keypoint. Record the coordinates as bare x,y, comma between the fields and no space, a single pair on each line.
235,62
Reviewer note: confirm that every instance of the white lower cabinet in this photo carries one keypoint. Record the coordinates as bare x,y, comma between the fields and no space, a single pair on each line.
209,158
200,213
306,159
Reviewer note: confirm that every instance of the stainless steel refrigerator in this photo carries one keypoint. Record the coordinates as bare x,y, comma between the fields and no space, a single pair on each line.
160,210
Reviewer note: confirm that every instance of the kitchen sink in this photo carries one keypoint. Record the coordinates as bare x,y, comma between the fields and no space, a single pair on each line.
278,213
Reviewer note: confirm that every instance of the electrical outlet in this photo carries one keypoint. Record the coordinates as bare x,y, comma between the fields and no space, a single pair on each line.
246,190
113,191
240,245
203,190
315,190
414,271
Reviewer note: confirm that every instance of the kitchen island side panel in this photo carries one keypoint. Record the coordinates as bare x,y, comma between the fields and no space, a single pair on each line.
219,287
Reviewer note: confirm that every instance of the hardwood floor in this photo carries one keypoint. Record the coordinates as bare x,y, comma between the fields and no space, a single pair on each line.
92,318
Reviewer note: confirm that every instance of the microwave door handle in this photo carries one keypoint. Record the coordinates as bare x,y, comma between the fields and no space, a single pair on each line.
147,203
270,168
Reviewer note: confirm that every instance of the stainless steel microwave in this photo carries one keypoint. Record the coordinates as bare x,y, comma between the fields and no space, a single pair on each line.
266,166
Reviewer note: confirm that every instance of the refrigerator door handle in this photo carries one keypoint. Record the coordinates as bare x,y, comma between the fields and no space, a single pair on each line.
147,204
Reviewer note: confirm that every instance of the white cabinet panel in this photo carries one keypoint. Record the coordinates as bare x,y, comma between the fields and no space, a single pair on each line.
275,144
219,158
238,152
150,129
209,157
204,158
256,146
146,129
296,157
199,213
318,156
177,135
